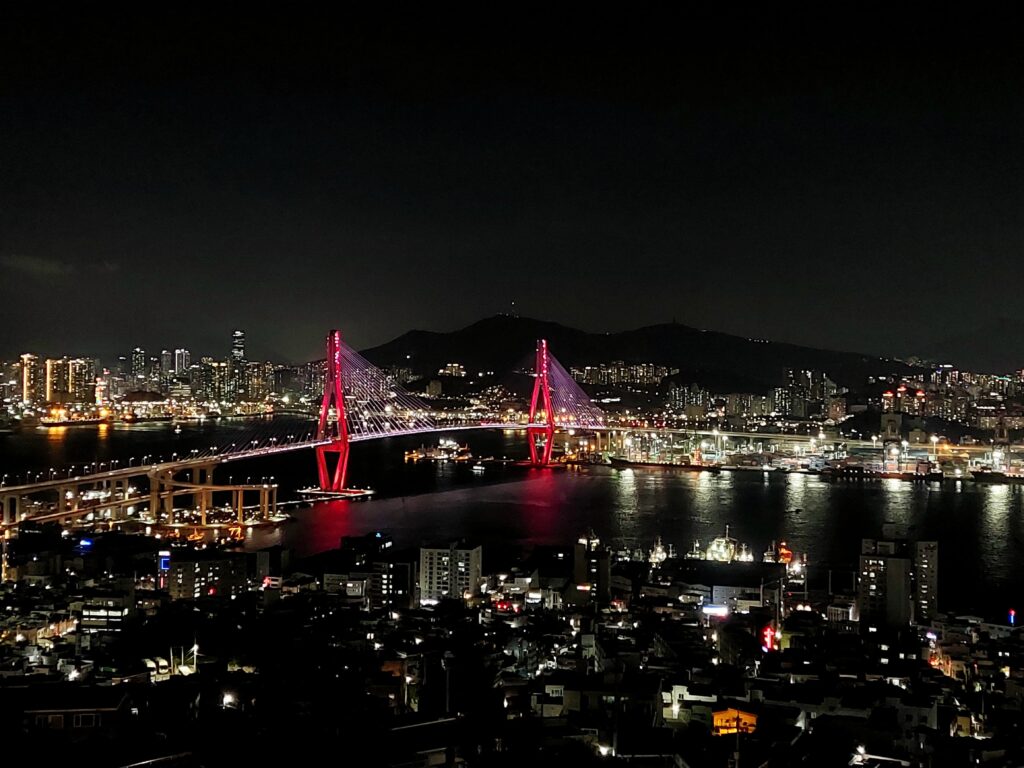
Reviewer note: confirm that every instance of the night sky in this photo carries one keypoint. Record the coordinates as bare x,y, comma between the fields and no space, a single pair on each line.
852,184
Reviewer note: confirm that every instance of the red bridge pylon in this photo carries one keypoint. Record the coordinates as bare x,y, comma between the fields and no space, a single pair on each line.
337,430
541,437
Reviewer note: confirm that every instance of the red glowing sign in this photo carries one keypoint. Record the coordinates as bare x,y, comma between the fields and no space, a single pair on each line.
768,638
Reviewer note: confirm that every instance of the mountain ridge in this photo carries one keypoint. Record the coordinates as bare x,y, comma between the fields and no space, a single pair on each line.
501,343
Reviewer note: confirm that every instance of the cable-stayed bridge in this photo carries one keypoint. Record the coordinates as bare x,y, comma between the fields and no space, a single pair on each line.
360,403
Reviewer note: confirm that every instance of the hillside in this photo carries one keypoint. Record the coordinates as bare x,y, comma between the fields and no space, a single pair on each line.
503,343
993,347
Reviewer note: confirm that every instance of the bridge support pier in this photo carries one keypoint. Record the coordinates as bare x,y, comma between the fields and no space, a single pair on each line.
167,498
542,441
332,480
11,508
204,498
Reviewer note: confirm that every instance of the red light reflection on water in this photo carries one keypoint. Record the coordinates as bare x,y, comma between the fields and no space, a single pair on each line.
541,501
531,510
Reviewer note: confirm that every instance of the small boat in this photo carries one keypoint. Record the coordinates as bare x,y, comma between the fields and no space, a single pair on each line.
317,494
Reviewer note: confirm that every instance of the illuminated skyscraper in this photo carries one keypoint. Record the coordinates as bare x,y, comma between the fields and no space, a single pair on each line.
138,363
213,379
71,380
32,391
57,388
82,379
238,345
182,360
258,380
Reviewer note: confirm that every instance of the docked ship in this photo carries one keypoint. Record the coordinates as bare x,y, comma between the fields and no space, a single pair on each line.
986,475
660,552
62,420
133,418
779,553
686,466
446,450
726,549
71,422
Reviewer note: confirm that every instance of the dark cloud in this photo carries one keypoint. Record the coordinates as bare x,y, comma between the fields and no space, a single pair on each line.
35,266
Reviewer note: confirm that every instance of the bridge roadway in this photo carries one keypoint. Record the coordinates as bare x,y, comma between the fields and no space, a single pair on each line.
203,460
163,473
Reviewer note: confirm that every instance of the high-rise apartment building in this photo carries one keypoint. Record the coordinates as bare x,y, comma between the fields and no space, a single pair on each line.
369,560
926,581
592,567
57,389
32,382
195,574
182,360
70,380
139,369
238,345
899,578
620,372
258,381
82,378
166,366
10,380
451,572
212,380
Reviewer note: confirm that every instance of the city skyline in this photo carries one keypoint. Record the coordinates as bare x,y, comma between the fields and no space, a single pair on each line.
562,389
385,179
233,347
